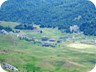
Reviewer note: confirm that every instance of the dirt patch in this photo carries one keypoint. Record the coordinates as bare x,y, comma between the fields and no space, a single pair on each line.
80,46
72,64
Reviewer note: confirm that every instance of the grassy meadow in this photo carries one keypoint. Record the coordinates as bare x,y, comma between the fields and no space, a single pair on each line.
68,56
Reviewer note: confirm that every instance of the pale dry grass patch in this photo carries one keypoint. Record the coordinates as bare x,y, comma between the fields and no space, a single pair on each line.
80,46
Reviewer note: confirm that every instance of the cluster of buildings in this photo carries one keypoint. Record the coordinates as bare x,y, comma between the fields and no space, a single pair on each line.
44,41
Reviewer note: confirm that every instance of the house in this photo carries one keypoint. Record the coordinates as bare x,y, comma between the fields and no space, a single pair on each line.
52,40
47,44
59,41
10,67
44,39
4,32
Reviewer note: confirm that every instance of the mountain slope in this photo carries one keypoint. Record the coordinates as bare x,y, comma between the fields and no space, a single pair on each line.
50,13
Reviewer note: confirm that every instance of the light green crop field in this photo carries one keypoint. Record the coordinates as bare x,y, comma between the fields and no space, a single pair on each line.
68,56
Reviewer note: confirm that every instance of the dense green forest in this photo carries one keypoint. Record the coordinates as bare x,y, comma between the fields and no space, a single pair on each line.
52,13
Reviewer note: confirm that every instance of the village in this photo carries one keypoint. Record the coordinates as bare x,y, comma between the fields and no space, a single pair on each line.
45,40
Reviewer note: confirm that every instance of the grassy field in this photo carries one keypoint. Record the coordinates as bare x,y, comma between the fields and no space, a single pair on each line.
69,56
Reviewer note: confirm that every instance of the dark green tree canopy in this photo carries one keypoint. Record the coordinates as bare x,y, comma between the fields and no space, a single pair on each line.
51,13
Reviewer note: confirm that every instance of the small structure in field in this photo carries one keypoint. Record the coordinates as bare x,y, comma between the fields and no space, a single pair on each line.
47,44
3,32
10,67
44,39
52,40
59,41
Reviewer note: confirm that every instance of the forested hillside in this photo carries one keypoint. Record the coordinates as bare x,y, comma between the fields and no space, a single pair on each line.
52,13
